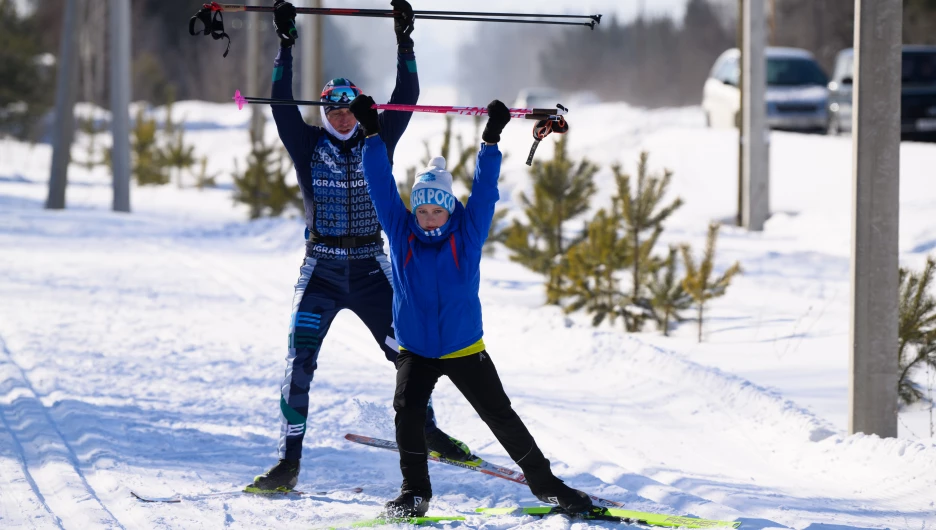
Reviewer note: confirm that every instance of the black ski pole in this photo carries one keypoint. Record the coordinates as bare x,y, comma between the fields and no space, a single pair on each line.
215,6
210,16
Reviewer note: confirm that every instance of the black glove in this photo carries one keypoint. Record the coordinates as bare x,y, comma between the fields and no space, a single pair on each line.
403,21
365,115
284,20
498,116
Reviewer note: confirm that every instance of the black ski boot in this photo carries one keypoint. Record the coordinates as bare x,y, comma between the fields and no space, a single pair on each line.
556,492
279,479
410,503
441,444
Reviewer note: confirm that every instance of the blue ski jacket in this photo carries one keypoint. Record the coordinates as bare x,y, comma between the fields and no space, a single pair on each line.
436,275
329,170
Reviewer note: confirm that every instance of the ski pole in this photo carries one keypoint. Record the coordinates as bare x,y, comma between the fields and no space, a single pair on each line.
210,15
233,8
529,114
548,120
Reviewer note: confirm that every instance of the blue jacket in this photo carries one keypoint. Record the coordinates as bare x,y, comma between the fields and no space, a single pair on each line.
329,170
436,275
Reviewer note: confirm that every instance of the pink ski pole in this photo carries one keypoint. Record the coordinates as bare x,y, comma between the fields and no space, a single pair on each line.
530,114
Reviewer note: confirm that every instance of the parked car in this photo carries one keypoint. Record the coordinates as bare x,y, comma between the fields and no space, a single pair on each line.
538,98
917,92
797,96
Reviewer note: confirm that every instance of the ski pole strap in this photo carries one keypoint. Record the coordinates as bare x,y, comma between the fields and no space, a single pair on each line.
542,129
536,143
211,17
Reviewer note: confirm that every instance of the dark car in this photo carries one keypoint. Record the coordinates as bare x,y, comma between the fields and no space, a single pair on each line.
917,94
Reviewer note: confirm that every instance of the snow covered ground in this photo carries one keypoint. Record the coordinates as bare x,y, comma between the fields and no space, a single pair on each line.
143,352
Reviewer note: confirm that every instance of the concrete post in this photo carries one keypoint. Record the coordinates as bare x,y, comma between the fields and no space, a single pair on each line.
310,40
63,132
875,200
253,70
120,101
755,166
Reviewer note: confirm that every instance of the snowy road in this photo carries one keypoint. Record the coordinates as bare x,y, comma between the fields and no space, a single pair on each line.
144,353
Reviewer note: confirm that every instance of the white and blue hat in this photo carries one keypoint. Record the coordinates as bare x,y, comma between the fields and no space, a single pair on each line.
433,186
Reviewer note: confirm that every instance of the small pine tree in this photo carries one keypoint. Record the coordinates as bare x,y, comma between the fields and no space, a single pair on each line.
148,164
667,295
643,223
562,190
916,328
590,268
406,187
176,154
698,281
262,186
203,179
94,155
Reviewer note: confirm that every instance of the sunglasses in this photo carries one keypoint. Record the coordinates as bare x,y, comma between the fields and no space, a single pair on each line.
341,94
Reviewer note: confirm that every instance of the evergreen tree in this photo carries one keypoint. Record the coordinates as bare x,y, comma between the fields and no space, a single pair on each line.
94,155
590,269
406,187
643,223
204,179
562,190
176,154
916,328
27,88
262,186
667,295
148,164
698,281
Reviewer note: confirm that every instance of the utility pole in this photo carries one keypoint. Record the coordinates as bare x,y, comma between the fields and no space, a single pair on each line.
311,67
253,71
64,128
755,152
120,101
739,220
772,38
875,202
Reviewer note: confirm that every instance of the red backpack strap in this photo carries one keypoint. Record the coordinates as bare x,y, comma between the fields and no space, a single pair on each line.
454,251
409,254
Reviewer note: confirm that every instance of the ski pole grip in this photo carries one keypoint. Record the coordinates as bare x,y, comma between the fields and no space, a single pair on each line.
537,115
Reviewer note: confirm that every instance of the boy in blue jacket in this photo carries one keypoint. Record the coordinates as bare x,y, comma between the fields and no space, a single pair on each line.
436,256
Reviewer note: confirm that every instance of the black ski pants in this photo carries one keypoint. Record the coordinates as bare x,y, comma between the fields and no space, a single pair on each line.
477,380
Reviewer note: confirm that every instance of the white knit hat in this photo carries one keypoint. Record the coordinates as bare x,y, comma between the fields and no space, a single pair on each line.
433,186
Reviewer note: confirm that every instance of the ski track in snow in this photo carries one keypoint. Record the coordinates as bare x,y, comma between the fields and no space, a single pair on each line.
49,463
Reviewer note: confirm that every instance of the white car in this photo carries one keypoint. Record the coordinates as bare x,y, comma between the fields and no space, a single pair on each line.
797,95
538,98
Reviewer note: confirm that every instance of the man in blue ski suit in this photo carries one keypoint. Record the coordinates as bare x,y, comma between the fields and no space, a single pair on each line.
345,265
436,248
